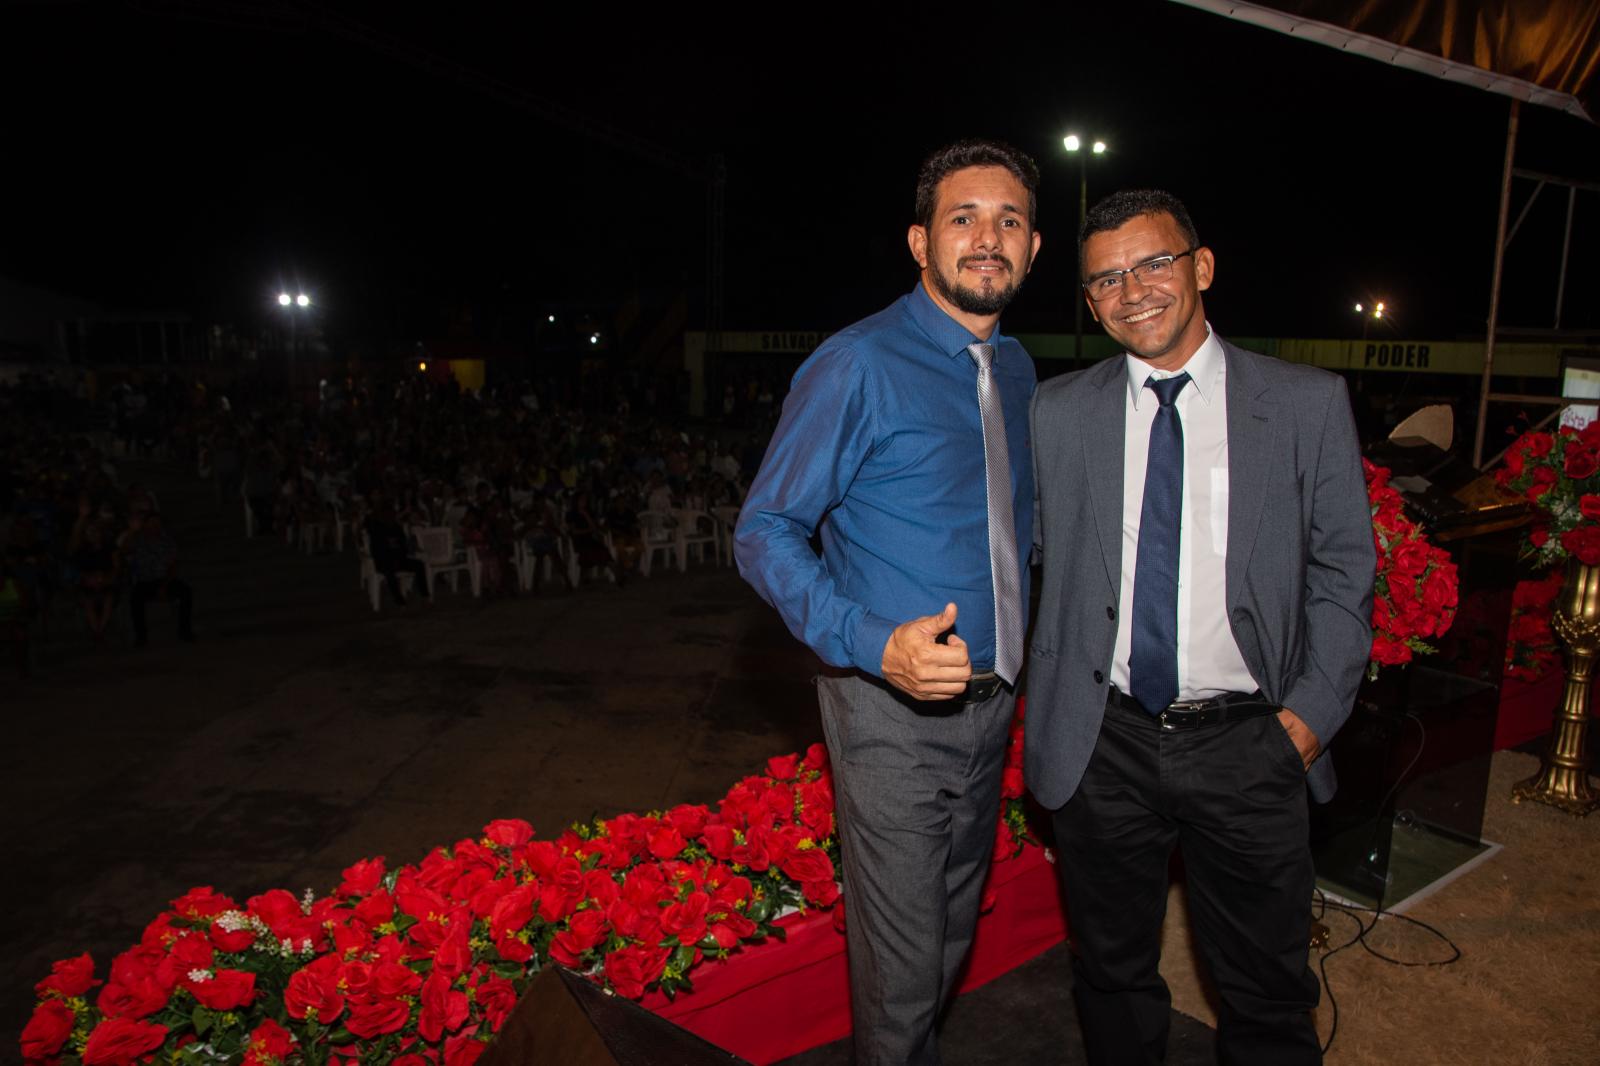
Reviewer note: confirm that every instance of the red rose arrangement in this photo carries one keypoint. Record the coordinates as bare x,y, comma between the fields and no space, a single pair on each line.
1560,474
1530,642
1415,592
421,965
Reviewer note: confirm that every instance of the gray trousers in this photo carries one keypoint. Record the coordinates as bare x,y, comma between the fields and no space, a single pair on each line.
917,791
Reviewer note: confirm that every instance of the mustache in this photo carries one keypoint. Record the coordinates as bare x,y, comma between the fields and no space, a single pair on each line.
993,257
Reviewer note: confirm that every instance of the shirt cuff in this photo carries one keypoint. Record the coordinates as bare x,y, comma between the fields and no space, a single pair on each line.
872,636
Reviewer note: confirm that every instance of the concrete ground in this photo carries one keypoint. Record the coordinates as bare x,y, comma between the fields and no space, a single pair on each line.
302,732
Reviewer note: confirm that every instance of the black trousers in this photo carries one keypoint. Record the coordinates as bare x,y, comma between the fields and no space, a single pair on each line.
391,568
145,591
1232,799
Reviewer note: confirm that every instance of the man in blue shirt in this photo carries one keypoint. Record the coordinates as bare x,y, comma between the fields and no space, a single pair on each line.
904,442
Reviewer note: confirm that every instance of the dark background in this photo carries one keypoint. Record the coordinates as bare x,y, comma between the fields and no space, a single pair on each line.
197,157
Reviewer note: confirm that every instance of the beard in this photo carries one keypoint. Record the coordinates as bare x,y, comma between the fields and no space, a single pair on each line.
985,300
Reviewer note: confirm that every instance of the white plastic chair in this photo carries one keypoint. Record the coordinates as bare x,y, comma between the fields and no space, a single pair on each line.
440,556
373,582
695,529
727,518
657,531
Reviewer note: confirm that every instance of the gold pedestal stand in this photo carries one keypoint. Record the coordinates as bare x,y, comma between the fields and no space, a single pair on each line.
1563,778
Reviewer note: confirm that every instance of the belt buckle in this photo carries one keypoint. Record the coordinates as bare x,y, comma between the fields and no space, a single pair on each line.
1177,707
981,689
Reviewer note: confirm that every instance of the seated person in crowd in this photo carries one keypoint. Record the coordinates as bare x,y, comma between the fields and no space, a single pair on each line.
151,556
391,552
94,557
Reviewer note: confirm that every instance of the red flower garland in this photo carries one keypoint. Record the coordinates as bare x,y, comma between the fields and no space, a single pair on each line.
420,966
1416,587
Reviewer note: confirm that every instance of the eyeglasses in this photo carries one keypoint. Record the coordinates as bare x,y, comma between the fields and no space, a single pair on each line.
1150,272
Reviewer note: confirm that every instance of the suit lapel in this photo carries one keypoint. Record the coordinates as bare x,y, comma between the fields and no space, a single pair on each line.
1253,427
1101,431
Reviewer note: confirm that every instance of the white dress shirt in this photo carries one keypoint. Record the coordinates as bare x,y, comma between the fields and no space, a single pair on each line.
1209,662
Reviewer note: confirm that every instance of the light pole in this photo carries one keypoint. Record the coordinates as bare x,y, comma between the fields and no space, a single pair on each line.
291,304
1075,146
1377,312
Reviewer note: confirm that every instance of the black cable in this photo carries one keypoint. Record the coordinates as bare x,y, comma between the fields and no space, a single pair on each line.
1355,911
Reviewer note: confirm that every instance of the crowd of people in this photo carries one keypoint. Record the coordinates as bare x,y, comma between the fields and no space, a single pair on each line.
501,467
71,527
513,473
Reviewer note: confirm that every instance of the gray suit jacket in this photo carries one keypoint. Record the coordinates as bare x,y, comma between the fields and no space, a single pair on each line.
1300,559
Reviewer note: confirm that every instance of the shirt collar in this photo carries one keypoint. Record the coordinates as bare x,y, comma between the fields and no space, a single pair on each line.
1204,369
950,336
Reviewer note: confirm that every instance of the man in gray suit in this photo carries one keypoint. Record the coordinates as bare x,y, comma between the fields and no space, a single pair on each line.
1205,618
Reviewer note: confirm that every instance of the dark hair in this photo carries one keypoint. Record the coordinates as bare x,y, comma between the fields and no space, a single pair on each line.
1120,208
974,153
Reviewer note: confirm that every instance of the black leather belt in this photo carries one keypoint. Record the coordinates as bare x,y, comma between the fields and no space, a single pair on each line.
1192,714
981,687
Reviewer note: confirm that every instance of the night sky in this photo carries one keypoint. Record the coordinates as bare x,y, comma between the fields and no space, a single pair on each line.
195,157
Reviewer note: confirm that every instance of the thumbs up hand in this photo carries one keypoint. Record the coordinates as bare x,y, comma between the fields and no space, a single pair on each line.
917,664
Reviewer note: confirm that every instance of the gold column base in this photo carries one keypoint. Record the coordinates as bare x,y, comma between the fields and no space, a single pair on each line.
1559,788
1563,779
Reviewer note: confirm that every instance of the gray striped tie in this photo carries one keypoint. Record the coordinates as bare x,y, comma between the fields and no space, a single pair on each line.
1002,526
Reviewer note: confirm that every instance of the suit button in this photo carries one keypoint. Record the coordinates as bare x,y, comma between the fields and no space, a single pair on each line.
1099,678
1111,613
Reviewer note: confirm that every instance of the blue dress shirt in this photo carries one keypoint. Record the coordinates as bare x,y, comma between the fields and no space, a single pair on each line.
881,446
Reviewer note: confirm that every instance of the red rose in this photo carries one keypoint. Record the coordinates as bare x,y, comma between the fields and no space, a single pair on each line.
191,951
557,902
121,1041
509,832
69,977
1536,445
1410,559
816,758
226,990
630,969
808,864
463,1050
202,902
1588,503
444,1009
372,1016
1439,589
1538,536
1011,783
1583,543
496,997
667,843
455,954
1390,652
687,920
584,931
47,1030
719,841
513,911
1581,462
689,818
279,909
820,893
393,979
134,990
315,987
783,767
270,1044
361,878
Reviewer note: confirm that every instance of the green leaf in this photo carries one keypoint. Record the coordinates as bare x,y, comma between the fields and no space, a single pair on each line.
203,1020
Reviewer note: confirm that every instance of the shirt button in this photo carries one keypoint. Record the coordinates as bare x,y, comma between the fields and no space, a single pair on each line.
1111,613
1099,678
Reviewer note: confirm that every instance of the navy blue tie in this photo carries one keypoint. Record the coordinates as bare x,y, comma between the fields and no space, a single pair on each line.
1153,661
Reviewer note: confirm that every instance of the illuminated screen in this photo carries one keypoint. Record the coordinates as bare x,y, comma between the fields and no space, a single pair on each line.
1580,377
